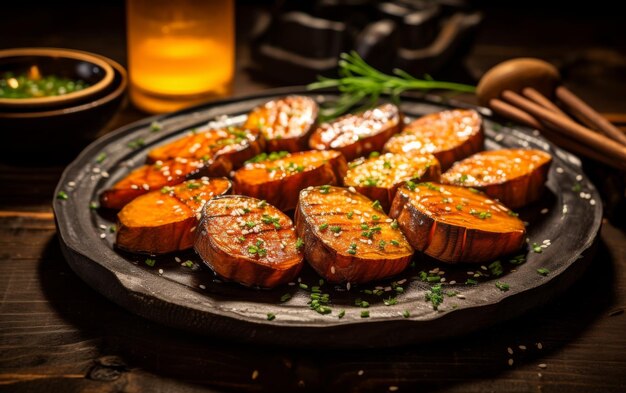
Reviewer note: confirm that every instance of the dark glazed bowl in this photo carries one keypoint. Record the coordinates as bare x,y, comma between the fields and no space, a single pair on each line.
58,134
66,63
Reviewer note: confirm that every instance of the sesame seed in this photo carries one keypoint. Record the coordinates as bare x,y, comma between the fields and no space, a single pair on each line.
544,210
393,388
103,235
177,259
71,184
96,170
522,347
202,286
543,365
483,267
351,189
510,350
559,170
230,231
539,346
579,177
161,271
348,286
255,374
452,282
105,174
510,362
102,226
361,372
460,296
539,375
592,202
332,270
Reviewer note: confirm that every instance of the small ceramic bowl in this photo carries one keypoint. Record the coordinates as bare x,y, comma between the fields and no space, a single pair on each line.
57,134
64,63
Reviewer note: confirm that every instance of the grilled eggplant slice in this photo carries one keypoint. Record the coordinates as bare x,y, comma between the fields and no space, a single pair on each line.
249,241
360,134
379,176
456,224
515,177
279,177
449,135
285,123
165,221
347,237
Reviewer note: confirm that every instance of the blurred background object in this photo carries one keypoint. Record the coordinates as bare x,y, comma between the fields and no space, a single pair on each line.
180,53
300,40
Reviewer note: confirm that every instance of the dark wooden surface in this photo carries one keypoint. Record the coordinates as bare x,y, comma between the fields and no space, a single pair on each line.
58,335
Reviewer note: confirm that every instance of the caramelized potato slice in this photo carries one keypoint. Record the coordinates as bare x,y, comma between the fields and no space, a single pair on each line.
165,221
515,177
222,150
279,177
449,135
347,237
151,177
248,241
379,177
285,123
356,135
456,224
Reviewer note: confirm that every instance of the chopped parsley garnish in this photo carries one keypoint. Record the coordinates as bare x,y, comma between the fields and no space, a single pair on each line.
150,262
394,224
496,268
390,302
136,144
257,249
324,189
100,158
377,206
155,126
502,286
188,264
335,229
543,271
299,243
63,195
352,249
323,226
410,185
370,181
382,244
350,214
271,316
435,296
267,219
394,242
273,156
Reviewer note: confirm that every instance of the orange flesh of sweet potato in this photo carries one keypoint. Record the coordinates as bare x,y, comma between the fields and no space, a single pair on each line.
448,135
356,135
285,123
149,178
456,224
515,177
279,181
165,221
248,241
347,237
378,178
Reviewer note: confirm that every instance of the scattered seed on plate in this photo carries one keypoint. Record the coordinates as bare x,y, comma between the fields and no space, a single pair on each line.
539,346
393,388
522,347
255,374
103,235
544,210
361,372
559,169
161,272
510,362
510,350
543,365
202,286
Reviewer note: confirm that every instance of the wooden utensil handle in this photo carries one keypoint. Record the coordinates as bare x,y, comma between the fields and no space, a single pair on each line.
509,111
588,115
597,142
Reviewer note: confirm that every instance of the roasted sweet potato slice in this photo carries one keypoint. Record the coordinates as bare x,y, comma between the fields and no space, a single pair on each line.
450,135
285,123
379,176
456,224
249,241
347,237
165,221
279,177
515,177
151,177
222,150
359,134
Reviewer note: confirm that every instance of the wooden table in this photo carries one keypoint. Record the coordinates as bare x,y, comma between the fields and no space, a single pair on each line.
58,335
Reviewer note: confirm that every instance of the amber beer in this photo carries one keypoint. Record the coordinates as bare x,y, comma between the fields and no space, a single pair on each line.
179,52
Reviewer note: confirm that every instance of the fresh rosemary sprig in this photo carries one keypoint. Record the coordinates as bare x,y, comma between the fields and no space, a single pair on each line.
358,82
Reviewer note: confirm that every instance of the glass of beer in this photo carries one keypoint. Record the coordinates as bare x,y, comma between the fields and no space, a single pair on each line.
180,52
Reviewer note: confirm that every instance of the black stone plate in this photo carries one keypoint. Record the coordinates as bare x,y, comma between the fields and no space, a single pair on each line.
189,296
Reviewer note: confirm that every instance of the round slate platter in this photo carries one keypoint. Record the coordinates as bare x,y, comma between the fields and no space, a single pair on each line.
187,295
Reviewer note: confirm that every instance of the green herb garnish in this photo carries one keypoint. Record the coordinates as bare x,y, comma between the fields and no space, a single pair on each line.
502,286
543,271
435,296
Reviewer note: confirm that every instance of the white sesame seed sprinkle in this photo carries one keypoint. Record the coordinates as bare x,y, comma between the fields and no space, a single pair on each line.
579,177
543,365
544,210
361,372
559,169
102,226
510,362
177,259
348,286
510,350
351,189
458,295
522,347
255,374
71,184
103,235
393,388
332,270
202,286
539,346
592,202
161,272
452,282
